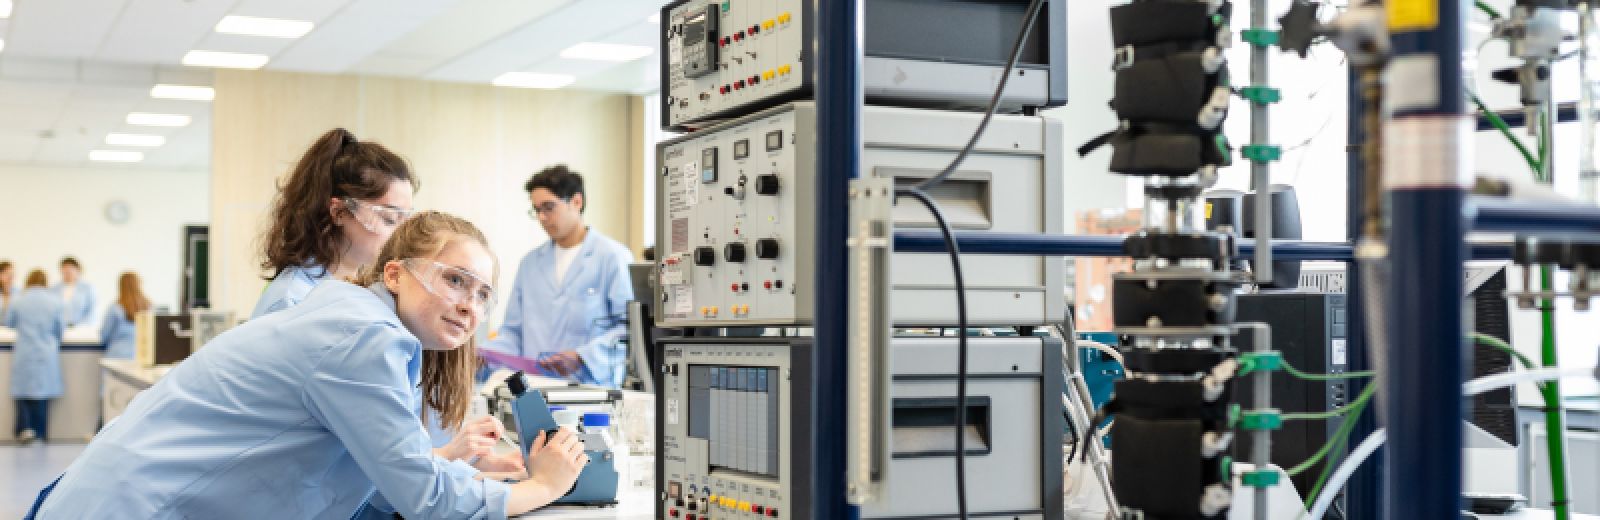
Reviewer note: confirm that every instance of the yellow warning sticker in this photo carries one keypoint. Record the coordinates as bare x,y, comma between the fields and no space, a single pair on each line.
1412,15
1208,211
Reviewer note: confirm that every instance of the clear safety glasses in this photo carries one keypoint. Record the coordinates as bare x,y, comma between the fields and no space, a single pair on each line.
376,215
451,283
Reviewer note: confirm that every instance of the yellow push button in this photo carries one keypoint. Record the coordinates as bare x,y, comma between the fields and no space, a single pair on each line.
768,75
767,24
783,18
783,70
744,506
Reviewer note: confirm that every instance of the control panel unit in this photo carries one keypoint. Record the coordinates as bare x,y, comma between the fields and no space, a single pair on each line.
722,59
734,421
735,205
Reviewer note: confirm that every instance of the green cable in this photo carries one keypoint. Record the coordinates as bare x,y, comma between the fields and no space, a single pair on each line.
1324,377
1491,341
1344,431
1505,129
1315,415
1484,6
1554,427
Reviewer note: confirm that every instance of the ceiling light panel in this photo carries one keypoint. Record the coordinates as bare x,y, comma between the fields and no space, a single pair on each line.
5,8
183,92
266,27
135,140
149,119
606,52
122,156
533,80
225,60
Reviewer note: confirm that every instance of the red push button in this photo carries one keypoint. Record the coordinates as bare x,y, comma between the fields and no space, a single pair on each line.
767,284
772,512
735,287
672,512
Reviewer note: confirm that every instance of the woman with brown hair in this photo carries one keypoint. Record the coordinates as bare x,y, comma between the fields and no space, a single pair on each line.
303,412
116,331
340,203
39,316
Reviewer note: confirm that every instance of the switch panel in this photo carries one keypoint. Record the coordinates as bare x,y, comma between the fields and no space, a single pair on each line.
722,59
1011,182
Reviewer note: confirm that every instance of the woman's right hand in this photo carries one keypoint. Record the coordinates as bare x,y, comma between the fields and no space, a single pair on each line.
557,460
476,439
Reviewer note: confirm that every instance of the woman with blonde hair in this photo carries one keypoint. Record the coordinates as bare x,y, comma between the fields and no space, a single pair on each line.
39,316
116,331
307,411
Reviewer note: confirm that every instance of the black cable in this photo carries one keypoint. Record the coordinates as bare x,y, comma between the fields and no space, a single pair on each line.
994,101
961,342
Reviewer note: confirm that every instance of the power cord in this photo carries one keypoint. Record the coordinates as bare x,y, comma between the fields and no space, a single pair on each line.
994,101
961,342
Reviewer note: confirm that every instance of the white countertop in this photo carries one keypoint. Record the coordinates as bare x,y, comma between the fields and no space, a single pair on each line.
74,336
130,370
632,503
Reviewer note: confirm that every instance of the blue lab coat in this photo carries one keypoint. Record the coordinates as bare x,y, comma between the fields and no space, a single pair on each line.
585,313
82,305
116,333
37,315
288,288
298,414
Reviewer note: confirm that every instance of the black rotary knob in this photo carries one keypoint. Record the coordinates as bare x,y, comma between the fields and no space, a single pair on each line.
733,252
705,255
767,184
767,248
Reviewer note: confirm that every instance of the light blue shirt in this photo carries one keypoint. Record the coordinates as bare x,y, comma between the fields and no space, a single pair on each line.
116,333
82,305
287,289
298,414
37,316
583,313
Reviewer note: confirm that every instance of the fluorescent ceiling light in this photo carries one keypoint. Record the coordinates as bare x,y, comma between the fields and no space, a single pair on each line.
606,52
147,119
268,27
2,45
183,92
533,80
135,140
654,17
115,156
226,60
5,8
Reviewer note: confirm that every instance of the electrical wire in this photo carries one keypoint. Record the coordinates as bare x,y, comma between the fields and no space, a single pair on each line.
1484,6
994,101
1477,386
1291,370
961,342
1505,129
1356,406
1107,350
1497,344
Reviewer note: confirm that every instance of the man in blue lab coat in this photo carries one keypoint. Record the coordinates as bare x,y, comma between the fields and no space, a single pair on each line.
570,296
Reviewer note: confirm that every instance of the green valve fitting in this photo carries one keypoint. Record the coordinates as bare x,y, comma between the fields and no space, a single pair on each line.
1267,420
1260,478
1270,361
1227,468
1261,95
1262,152
1260,37
1233,415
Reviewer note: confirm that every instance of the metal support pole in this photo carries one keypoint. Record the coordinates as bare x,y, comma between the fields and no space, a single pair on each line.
1427,169
1029,244
1260,174
1364,492
837,76
1261,401
1489,214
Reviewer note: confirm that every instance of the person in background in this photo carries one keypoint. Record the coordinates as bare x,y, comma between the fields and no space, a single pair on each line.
75,293
8,277
302,413
340,203
116,331
570,294
38,315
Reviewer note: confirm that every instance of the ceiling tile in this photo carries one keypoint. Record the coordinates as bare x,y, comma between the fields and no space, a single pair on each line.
61,28
539,41
316,11
161,31
358,30
468,25
242,43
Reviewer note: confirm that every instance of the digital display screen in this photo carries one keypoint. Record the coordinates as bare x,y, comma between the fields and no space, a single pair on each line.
741,149
736,410
708,165
694,29
774,140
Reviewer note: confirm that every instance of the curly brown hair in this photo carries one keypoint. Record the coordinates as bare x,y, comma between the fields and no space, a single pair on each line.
446,374
337,165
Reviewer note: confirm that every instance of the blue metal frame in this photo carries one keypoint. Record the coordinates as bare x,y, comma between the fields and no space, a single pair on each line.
997,243
838,90
1488,214
1427,354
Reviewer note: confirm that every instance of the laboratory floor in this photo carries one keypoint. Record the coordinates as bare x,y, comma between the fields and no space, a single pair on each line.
24,470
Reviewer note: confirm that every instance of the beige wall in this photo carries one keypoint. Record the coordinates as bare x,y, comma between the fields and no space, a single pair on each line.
472,146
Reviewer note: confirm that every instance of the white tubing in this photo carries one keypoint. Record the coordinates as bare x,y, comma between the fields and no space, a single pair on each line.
1505,379
1105,349
1347,468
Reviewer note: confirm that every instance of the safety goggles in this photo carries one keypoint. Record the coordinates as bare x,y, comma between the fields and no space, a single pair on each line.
549,206
376,214
451,283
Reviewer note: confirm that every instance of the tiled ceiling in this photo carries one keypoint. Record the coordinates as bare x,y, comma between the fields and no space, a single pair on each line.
72,70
